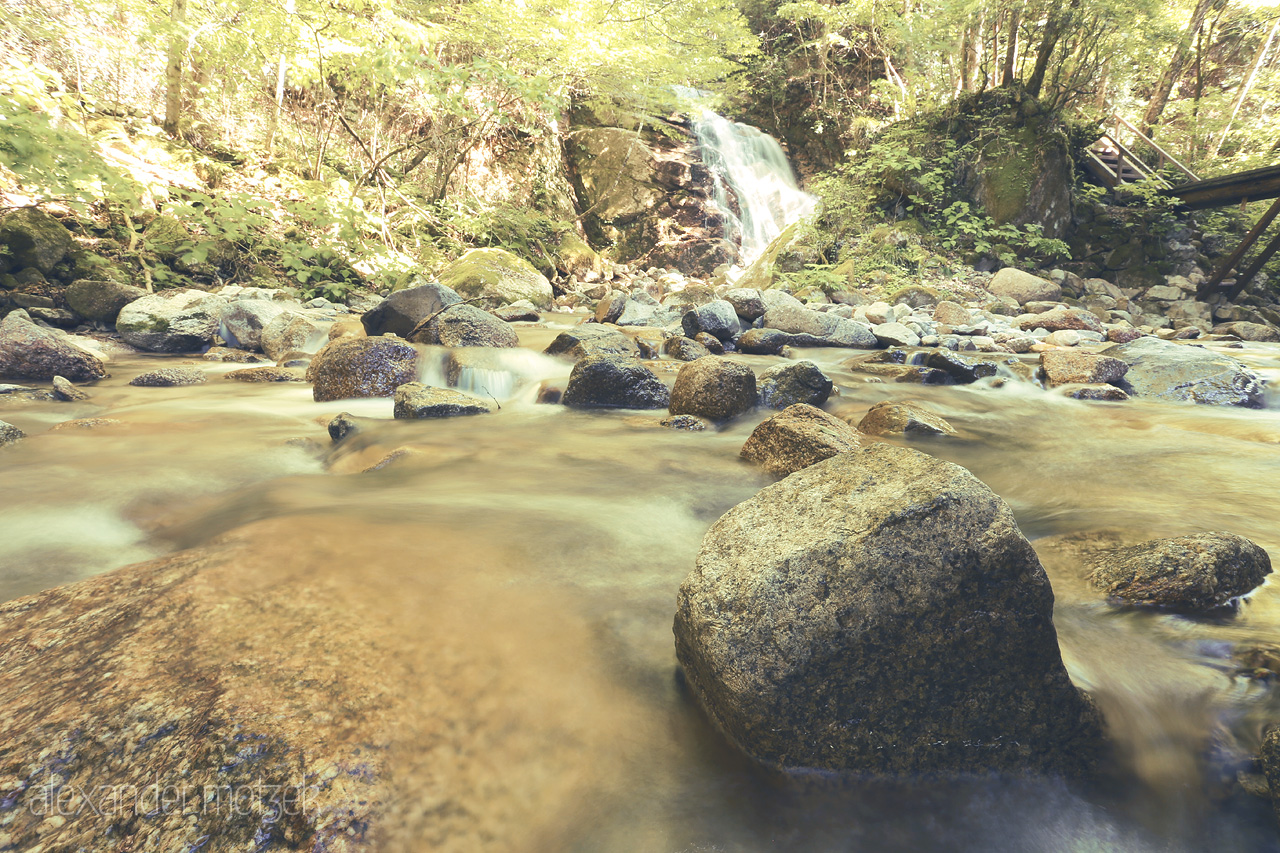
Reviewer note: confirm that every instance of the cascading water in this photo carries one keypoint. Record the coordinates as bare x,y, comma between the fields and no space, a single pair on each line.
749,164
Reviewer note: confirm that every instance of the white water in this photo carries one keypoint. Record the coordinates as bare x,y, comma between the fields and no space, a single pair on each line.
750,165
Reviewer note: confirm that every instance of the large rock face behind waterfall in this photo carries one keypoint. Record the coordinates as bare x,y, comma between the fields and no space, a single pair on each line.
880,612
643,187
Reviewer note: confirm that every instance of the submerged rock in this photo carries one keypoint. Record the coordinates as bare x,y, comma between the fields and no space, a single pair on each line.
785,385
684,422
1163,370
28,351
796,438
1204,571
713,387
180,321
903,418
1099,393
401,312
520,311
169,377
10,433
592,339
361,367
266,373
880,612
614,381
415,401
344,425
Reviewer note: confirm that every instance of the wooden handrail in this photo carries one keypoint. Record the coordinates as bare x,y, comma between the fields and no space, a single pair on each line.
1164,155
1134,160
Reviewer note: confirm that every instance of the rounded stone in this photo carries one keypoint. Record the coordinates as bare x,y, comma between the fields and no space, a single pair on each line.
1203,571
361,367
796,438
903,418
169,377
880,612
785,385
614,382
715,388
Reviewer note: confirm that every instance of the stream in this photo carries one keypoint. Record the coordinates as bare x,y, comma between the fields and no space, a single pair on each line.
598,517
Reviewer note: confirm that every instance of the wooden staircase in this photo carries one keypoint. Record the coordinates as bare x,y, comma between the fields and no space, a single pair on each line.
1111,162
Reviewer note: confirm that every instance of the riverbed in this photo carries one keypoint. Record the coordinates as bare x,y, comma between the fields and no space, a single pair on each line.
554,541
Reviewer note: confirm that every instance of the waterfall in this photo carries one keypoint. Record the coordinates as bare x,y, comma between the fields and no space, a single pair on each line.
749,163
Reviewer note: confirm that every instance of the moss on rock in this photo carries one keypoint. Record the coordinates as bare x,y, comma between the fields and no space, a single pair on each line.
495,277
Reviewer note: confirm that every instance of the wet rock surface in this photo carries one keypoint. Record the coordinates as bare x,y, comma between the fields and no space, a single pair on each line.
880,612
713,387
10,434
785,385
796,438
1200,572
1164,370
170,377
903,418
361,367
614,381
415,401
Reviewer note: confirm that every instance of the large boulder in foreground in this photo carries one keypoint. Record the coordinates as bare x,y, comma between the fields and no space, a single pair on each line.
713,387
181,321
1200,572
614,382
494,277
880,612
1163,370
796,438
401,312
361,367
28,351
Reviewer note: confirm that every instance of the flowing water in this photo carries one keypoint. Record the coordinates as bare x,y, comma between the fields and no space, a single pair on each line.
556,540
750,168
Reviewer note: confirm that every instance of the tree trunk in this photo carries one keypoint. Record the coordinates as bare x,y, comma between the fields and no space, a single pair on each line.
173,69
1247,85
1053,29
281,70
1160,95
1011,48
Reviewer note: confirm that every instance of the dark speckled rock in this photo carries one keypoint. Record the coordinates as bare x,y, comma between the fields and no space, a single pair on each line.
614,381
1163,370
1204,571
592,339
361,367
169,377
880,612
796,438
795,382
713,387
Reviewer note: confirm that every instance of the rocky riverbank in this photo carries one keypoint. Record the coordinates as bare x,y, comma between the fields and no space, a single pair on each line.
200,667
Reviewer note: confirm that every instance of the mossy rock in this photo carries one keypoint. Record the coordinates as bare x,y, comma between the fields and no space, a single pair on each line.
33,238
167,237
495,277
575,257
789,252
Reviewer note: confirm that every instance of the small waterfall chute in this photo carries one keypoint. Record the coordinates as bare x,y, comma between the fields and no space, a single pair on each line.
750,165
